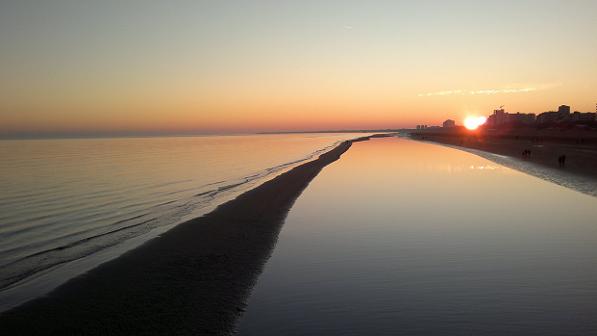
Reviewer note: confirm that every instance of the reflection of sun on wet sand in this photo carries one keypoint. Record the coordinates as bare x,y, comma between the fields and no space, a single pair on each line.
568,158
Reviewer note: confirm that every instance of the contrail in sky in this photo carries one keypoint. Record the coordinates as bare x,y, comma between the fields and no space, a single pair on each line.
463,92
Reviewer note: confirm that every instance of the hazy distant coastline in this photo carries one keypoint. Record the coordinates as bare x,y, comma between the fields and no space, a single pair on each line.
130,134
389,130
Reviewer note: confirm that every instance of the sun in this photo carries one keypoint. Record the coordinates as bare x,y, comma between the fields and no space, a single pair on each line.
472,122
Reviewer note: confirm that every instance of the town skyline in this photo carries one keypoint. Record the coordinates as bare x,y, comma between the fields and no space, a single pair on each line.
564,114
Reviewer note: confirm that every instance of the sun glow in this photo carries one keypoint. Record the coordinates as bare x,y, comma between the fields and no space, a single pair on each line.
472,122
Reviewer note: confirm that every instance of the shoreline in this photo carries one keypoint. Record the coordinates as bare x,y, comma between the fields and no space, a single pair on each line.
55,265
579,173
193,279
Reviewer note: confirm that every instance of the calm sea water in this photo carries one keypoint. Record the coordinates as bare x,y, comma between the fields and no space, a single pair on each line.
69,200
407,238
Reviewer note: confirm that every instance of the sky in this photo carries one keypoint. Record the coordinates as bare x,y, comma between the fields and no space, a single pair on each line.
107,67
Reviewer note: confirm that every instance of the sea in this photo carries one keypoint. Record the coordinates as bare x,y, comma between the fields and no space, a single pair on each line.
68,205
401,237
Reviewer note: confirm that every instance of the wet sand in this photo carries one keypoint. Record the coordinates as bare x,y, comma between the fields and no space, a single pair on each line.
194,279
581,158
579,171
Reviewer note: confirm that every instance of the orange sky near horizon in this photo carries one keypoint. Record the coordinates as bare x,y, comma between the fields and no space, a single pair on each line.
78,67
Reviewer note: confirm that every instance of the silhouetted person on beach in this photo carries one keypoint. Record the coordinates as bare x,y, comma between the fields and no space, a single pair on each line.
562,160
526,153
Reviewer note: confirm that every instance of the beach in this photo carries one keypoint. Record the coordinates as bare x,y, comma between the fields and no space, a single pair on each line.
68,205
280,168
580,148
393,237
193,279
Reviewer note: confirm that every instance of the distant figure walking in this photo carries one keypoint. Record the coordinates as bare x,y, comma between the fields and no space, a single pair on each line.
526,153
562,160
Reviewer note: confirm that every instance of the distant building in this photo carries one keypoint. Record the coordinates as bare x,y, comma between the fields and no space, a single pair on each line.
501,117
449,123
421,126
520,118
582,117
548,117
564,110
563,116
497,118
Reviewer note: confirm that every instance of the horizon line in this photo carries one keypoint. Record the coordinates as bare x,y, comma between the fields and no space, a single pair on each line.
107,135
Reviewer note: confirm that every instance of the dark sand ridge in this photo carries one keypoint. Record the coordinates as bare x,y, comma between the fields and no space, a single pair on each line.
193,280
